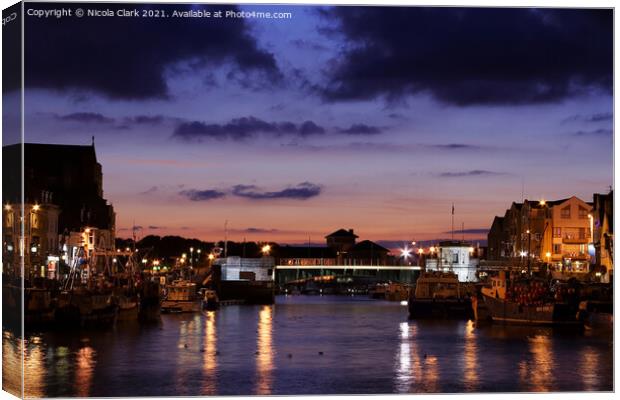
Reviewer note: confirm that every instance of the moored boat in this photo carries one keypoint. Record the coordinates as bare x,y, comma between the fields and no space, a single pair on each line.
530,302
439,295
181,296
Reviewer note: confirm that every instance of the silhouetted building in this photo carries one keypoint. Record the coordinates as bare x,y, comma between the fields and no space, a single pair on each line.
367,252
65,175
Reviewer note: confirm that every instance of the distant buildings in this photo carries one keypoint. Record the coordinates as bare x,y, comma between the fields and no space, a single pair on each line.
561,234
63,195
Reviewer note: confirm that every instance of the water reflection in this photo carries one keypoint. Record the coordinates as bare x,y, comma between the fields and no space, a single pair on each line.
538,372
589,365
34,368
11,364
403,368
209,386
188,346
424,367
85,366
264,358
470,358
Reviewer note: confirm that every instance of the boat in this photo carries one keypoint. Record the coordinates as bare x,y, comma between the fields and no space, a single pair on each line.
181,296
531,302
391,291
440,295
39,307
128,307
81,307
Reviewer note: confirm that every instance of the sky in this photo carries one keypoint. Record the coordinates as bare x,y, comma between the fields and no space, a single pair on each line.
371,118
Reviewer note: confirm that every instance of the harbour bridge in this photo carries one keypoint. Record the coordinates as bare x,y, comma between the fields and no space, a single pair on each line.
292,275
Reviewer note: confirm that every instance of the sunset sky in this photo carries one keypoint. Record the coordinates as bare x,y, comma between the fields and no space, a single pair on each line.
371,118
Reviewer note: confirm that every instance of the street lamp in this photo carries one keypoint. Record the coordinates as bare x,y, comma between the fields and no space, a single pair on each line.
265,250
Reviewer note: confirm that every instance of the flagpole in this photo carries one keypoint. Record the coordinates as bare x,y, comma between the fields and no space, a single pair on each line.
452,221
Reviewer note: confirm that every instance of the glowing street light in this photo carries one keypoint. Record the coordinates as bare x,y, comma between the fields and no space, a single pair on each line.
420,251
36,207
7,207
542,202
405,253
211,257
265,249
144,261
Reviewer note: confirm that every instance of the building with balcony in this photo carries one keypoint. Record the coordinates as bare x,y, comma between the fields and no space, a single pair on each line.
556,233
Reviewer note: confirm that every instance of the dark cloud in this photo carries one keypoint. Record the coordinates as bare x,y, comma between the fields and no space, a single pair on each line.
202,195
259,230
145,120
476,231
310,128
86,118
470,56
475,172
302,191
596,132
129,58
243,128
154,227
361,129
455,146
598,117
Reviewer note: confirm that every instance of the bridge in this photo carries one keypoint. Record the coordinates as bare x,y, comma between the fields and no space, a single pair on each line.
290,274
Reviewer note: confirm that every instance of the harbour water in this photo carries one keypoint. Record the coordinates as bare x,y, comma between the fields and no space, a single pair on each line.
308,345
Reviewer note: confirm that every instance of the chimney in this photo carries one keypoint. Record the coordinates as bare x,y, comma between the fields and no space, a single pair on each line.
351,231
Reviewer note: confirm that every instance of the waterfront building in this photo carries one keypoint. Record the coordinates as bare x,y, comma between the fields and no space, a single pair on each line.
40,239
603,235
68,176
63,196
341,241
455,256
555,233
368,252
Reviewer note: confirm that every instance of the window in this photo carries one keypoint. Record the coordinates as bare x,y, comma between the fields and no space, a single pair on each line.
455,258
565,212
557,248
557,232
582,233
583,213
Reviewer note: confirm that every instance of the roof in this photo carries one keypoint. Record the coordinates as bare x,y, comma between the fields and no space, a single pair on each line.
454,243
304,252
367,245
53,151
342,233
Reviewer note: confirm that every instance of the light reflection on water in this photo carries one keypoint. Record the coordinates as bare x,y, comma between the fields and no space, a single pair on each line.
264,358
209,381
307,345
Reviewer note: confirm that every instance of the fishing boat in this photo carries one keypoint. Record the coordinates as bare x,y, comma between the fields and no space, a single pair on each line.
439,295
181,296
531,302
81,307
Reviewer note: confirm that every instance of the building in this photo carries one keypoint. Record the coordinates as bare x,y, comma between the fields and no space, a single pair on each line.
40,239
368,252
63,196
341,241
65,175
497,239
603,235
554,233
455,256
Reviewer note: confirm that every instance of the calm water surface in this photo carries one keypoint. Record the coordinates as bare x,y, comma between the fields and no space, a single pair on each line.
308,345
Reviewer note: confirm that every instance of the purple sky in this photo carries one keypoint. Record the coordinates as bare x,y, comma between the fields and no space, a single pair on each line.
349,117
